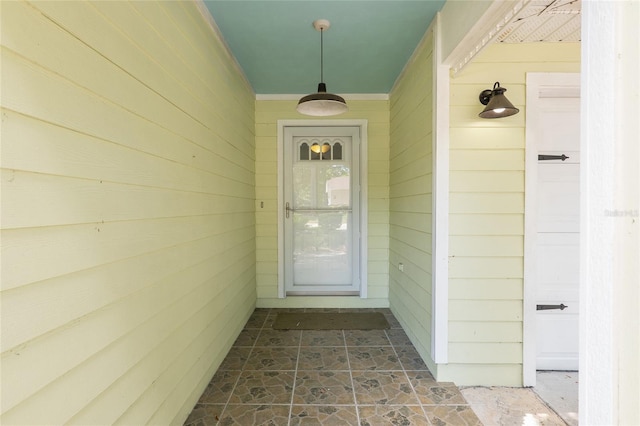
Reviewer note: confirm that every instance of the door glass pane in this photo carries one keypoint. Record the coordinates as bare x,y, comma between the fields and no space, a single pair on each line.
321,185
322,217
322,248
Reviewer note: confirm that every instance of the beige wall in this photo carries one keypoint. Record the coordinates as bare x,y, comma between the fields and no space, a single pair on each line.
410,195
487,214
128,253
268,112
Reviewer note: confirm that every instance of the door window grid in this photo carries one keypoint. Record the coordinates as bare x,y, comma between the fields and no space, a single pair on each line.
319,150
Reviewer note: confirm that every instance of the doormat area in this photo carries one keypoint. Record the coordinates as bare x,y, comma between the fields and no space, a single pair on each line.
330,321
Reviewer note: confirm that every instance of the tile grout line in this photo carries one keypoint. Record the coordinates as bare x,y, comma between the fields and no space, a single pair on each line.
295,377
404,371
242,369
353,385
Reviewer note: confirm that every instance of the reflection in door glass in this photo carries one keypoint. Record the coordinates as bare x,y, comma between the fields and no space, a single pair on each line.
321,185
321,254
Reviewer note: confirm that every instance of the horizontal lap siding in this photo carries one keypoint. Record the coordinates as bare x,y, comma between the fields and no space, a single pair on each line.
411,183
486,214
267,115
128,221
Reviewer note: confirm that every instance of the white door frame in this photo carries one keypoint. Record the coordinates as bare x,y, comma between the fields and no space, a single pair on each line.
363,196
534,84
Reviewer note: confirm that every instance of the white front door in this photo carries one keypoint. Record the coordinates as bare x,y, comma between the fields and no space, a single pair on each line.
557,268
322,210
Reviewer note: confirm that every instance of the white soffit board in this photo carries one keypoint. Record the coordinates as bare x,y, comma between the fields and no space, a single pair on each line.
544,21
522,21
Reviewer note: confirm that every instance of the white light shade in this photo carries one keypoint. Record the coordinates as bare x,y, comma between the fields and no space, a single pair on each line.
322,104
322,107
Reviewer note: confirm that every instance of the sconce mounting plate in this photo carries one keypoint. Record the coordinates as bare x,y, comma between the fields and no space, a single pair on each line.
485,96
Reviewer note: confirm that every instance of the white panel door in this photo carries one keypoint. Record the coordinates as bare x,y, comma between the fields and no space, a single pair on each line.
558,231
321,224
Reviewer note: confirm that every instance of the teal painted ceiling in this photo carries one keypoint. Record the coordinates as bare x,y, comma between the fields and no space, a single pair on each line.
365,49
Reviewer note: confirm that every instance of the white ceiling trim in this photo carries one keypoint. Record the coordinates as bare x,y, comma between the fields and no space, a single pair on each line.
519,21
347,96
497,16
202,8
414,56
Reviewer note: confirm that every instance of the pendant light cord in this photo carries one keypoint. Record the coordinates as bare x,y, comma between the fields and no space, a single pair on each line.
321,57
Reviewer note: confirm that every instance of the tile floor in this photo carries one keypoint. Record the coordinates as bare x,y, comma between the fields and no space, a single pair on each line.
330,377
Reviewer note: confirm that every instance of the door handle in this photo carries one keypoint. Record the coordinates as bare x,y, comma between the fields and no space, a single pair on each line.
287,209
561,306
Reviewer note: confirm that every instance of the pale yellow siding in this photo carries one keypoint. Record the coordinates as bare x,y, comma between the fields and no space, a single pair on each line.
487,214
128,224
410,221
268,112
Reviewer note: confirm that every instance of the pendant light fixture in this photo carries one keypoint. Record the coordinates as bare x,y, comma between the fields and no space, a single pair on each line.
497,104
322,104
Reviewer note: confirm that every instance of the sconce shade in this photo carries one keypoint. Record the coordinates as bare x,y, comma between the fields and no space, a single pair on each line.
322,104
497,104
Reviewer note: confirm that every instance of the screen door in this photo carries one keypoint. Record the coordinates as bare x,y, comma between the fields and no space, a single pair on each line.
321,188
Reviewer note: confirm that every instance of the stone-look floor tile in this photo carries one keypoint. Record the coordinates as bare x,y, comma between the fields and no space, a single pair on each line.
398,337
256,320
405,415
393,321
247,337
366,338
235,359
410,358
272,359
455,415
383,387
308,415
279,338
263,387
431,392
268,324
220,387
323,387
322,338
373,358
204,415
330,358
315,381
270,415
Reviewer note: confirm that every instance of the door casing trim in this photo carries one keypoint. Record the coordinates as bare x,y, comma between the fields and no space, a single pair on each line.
362,125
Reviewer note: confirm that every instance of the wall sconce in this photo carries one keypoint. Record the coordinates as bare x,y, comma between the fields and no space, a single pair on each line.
497,104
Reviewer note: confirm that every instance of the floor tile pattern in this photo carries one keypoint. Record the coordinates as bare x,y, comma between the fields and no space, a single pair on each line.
326,377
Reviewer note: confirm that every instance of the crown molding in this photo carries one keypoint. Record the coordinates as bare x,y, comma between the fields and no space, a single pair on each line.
347,96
